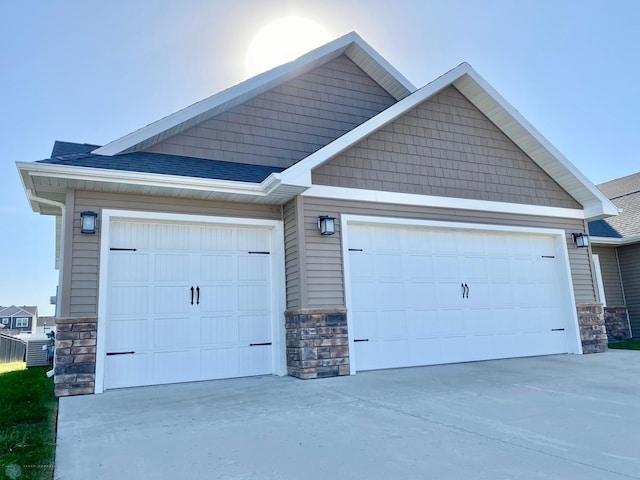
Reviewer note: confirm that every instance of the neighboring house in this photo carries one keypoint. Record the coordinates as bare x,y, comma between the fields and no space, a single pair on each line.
452,222
616,256
18,319
45,325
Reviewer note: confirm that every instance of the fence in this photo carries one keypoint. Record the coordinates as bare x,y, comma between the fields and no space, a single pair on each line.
12,349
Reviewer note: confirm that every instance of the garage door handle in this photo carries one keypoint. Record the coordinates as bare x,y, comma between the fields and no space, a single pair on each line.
467,287
191,295
465,290
198,292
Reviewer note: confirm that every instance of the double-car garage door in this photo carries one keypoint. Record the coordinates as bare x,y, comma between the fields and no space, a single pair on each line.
420,296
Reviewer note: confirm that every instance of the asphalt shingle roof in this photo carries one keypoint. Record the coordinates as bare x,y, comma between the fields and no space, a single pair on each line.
78,155
625,194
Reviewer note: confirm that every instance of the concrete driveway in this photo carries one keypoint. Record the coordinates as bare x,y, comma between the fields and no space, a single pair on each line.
561,417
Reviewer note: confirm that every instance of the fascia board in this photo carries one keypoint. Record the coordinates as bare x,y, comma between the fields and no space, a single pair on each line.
301,171
258,84
147,179
615,242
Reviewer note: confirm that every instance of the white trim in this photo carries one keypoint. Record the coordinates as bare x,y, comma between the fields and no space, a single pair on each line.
598,273
343,193
574,343
616,242
278,279
362,54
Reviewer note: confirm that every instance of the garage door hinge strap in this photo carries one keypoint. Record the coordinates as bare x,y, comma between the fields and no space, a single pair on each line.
360,340
259,344
557,329
355,249
259,253
548,256
123,249
119,353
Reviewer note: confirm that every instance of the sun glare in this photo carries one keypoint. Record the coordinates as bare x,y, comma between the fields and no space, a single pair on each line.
282,41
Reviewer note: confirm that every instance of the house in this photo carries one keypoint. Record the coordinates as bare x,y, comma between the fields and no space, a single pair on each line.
616,256
323,218
18,319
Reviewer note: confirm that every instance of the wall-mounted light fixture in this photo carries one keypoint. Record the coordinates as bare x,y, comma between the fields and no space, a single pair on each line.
580,239
326,225
88,222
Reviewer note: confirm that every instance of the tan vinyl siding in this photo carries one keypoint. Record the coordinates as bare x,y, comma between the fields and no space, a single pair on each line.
287,123
629,258
444,147
323,254
291,255
82,286
610,275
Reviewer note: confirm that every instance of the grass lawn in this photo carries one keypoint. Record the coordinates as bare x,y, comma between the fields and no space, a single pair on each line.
633,344
27,423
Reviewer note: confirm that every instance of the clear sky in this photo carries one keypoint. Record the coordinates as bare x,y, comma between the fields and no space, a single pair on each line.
92,71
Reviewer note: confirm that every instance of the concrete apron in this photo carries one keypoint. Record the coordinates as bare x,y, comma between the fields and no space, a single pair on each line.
558,417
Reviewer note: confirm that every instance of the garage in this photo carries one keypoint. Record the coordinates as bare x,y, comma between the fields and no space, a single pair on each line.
188,302
427,294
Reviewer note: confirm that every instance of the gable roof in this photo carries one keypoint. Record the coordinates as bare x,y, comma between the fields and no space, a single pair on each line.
625,228
499,111
14,311
351,45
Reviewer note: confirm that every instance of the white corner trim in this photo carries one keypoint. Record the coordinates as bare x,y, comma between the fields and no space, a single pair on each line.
278,274
342,193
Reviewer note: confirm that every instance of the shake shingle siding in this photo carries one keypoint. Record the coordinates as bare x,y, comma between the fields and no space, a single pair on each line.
444,147
282,126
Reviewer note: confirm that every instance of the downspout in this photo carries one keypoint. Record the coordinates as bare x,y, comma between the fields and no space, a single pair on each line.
63,210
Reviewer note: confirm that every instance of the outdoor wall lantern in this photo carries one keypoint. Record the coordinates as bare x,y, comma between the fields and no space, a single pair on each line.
88,222
580,239
326,225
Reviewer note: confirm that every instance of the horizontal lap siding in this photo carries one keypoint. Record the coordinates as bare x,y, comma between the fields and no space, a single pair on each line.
83,262
323,254
444,147
610,275
629,258
284,125
292,258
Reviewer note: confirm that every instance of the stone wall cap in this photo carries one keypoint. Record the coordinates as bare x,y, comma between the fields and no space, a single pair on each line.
67,320
318,311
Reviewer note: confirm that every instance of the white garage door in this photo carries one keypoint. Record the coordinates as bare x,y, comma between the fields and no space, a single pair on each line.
186,303
425,296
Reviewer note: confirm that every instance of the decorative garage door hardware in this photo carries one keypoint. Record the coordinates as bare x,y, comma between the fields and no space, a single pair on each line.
355,250
197,293
548,256
122,249
465,290
259,344
361,340
259,253
557,329
119,353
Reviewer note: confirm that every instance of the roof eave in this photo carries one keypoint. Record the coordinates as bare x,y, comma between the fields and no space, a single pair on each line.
614,242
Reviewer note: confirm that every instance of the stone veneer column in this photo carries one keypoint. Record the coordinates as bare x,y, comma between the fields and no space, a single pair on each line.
317,343
75,372
617,323
593,332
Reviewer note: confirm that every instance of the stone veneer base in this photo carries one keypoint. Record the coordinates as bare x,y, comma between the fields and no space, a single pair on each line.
317,343
617,323
593,332
75,370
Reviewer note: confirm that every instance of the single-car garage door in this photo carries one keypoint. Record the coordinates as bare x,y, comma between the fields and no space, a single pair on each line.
421,296
187,302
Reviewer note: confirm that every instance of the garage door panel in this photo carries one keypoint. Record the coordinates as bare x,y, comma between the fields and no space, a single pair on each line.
129,267
127,370
216,239
128,300
174,366
172,299
218,330
171,268
253,298
254,329
216,268
173,332
217,298
253,268
515,297
254,360
172,237
252,240
128,334
131,235
220,362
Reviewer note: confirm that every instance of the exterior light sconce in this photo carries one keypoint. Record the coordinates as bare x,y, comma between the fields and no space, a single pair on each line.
326,225
580,239
88,222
